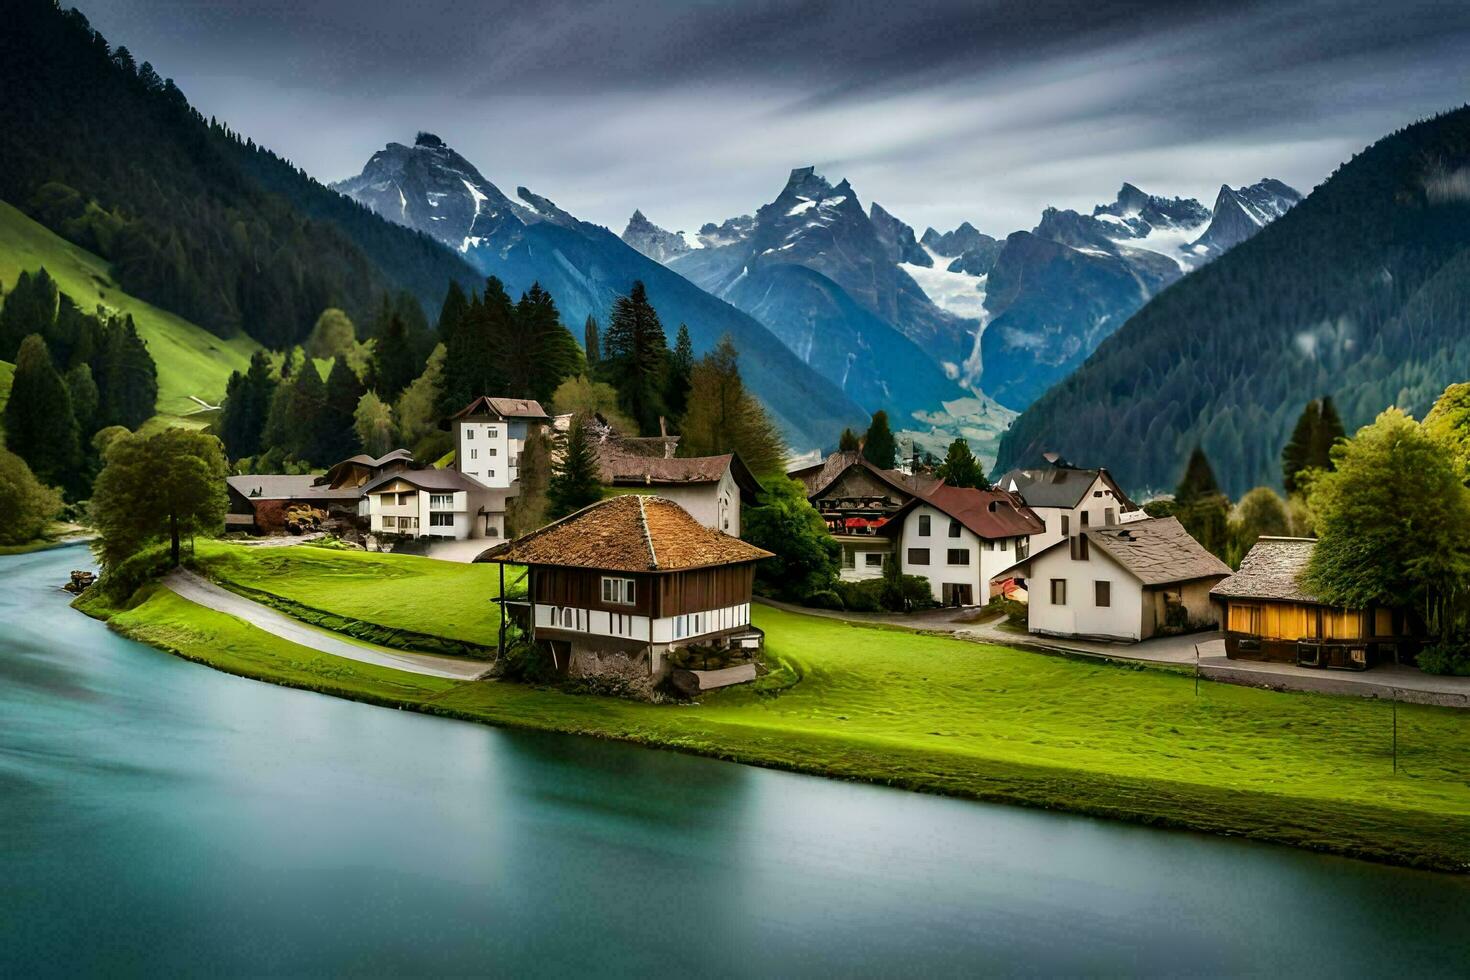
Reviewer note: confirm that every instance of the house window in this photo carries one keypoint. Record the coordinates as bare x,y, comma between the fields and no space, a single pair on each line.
492,432
918,556
1078,547
441,519
404,499
493,451
1085,517
1066,524
1058,592
958,556
1102,593
390,523
474,454
441,501
408,523
849,558
617,591
1110,516
988,545
954,528
1005,544
469,433
923,525
873,559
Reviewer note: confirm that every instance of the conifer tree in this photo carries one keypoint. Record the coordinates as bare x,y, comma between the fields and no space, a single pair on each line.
575,479
475,349
296,414
849,442
725,417
1201,507
39,425
452,312
960,467
417,409
84,399
1198,480
246,407
336,439
127,378
635,358
394,362
681,370
29,308
541,352
879,446
591,345
1317,428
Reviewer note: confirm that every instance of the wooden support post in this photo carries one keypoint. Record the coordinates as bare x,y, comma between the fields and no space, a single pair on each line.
500,647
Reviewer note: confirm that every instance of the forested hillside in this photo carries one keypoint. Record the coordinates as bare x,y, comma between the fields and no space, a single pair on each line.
1361,292
109,155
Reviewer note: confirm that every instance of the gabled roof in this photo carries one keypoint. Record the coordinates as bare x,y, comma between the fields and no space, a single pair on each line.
622,469
506,408
1272,569
819,478
1059,486
364,460
629,533
430,479
284,486
1156,551
990,513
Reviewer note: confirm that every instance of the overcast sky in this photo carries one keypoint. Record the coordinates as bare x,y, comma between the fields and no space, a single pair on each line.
695,110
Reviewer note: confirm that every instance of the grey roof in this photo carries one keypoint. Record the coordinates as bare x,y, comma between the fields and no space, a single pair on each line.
1058,486
280,486
1157,551
1272,569
430,479
506,408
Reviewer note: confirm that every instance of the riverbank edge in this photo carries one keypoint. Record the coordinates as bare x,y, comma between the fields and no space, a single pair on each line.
44,544
1364,832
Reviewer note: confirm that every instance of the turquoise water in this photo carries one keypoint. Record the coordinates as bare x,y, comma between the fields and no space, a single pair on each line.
160,818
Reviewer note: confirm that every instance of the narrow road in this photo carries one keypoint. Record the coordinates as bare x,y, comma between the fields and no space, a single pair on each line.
205,593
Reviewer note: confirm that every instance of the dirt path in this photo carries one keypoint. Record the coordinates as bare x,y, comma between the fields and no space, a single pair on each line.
211,596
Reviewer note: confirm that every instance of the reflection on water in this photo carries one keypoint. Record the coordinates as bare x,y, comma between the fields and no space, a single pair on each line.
160,817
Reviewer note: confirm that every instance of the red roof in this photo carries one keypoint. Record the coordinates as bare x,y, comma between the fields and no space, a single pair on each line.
989,513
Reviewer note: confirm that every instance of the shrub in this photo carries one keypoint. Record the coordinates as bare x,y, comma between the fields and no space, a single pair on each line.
1013,610
526,661
823,599
1445,658
862,596
123,578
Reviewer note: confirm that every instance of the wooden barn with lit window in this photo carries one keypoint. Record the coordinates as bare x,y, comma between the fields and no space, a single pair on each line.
618,588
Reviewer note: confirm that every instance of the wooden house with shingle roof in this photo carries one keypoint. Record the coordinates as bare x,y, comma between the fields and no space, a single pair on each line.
628,581
1270,614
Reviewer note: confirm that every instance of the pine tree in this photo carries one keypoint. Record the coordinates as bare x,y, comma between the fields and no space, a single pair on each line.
849,442
84,399
635,358
475,349
39,425
543,352
336,438
1201,507
879,446
452,312
591,346
29,308
960,467
575,479
127,378
1317,428
394,362
417,409
526,511
725,417
306,399
681,371
246,407
1198,480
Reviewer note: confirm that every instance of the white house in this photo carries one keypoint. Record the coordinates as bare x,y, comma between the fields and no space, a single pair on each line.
710,488
1127,582
959,538
434,503
489,435
856,499
1069,500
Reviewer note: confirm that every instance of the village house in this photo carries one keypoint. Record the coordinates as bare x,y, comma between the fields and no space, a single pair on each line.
855,499
1268,614
1068,500
618,587
959,538
1127,582
259,502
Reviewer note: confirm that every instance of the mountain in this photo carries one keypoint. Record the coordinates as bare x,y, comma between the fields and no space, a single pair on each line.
191,217
828,279
1361,292
1054,293
433,189
653,241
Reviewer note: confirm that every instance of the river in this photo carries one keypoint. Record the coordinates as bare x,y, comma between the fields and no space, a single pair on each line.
159,817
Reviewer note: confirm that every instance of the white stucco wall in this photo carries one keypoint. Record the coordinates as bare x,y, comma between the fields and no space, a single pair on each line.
715,505
1081,616
857,548
984,562
1095,507
672,630
464,509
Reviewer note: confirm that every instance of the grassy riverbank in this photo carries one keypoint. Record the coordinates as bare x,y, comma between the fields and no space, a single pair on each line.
987,722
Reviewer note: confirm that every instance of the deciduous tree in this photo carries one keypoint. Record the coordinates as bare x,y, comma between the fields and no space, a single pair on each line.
583,396
27,506
373,423
725,417
160,486
786,524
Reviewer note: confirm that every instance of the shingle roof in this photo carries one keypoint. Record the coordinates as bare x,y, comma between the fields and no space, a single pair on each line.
363,459
1057,486
279,486
989,513
430,479
819,478
1157,551
622,469
630,533
506,408
1271,570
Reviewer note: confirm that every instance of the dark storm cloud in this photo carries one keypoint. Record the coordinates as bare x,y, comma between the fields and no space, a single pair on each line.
695,110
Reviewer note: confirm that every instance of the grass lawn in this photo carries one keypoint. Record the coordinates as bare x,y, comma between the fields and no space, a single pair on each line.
403,592
987,722
191,360
7,375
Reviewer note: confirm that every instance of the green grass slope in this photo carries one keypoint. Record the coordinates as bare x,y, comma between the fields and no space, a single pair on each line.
7,375
191,361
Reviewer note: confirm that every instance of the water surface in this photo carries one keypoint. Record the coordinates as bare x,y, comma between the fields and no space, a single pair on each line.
159,817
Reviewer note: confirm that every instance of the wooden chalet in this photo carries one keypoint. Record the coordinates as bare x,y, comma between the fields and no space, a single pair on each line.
1268,614
618,587
856,499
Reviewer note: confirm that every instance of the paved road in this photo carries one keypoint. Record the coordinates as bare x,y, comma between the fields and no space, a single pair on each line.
211,596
